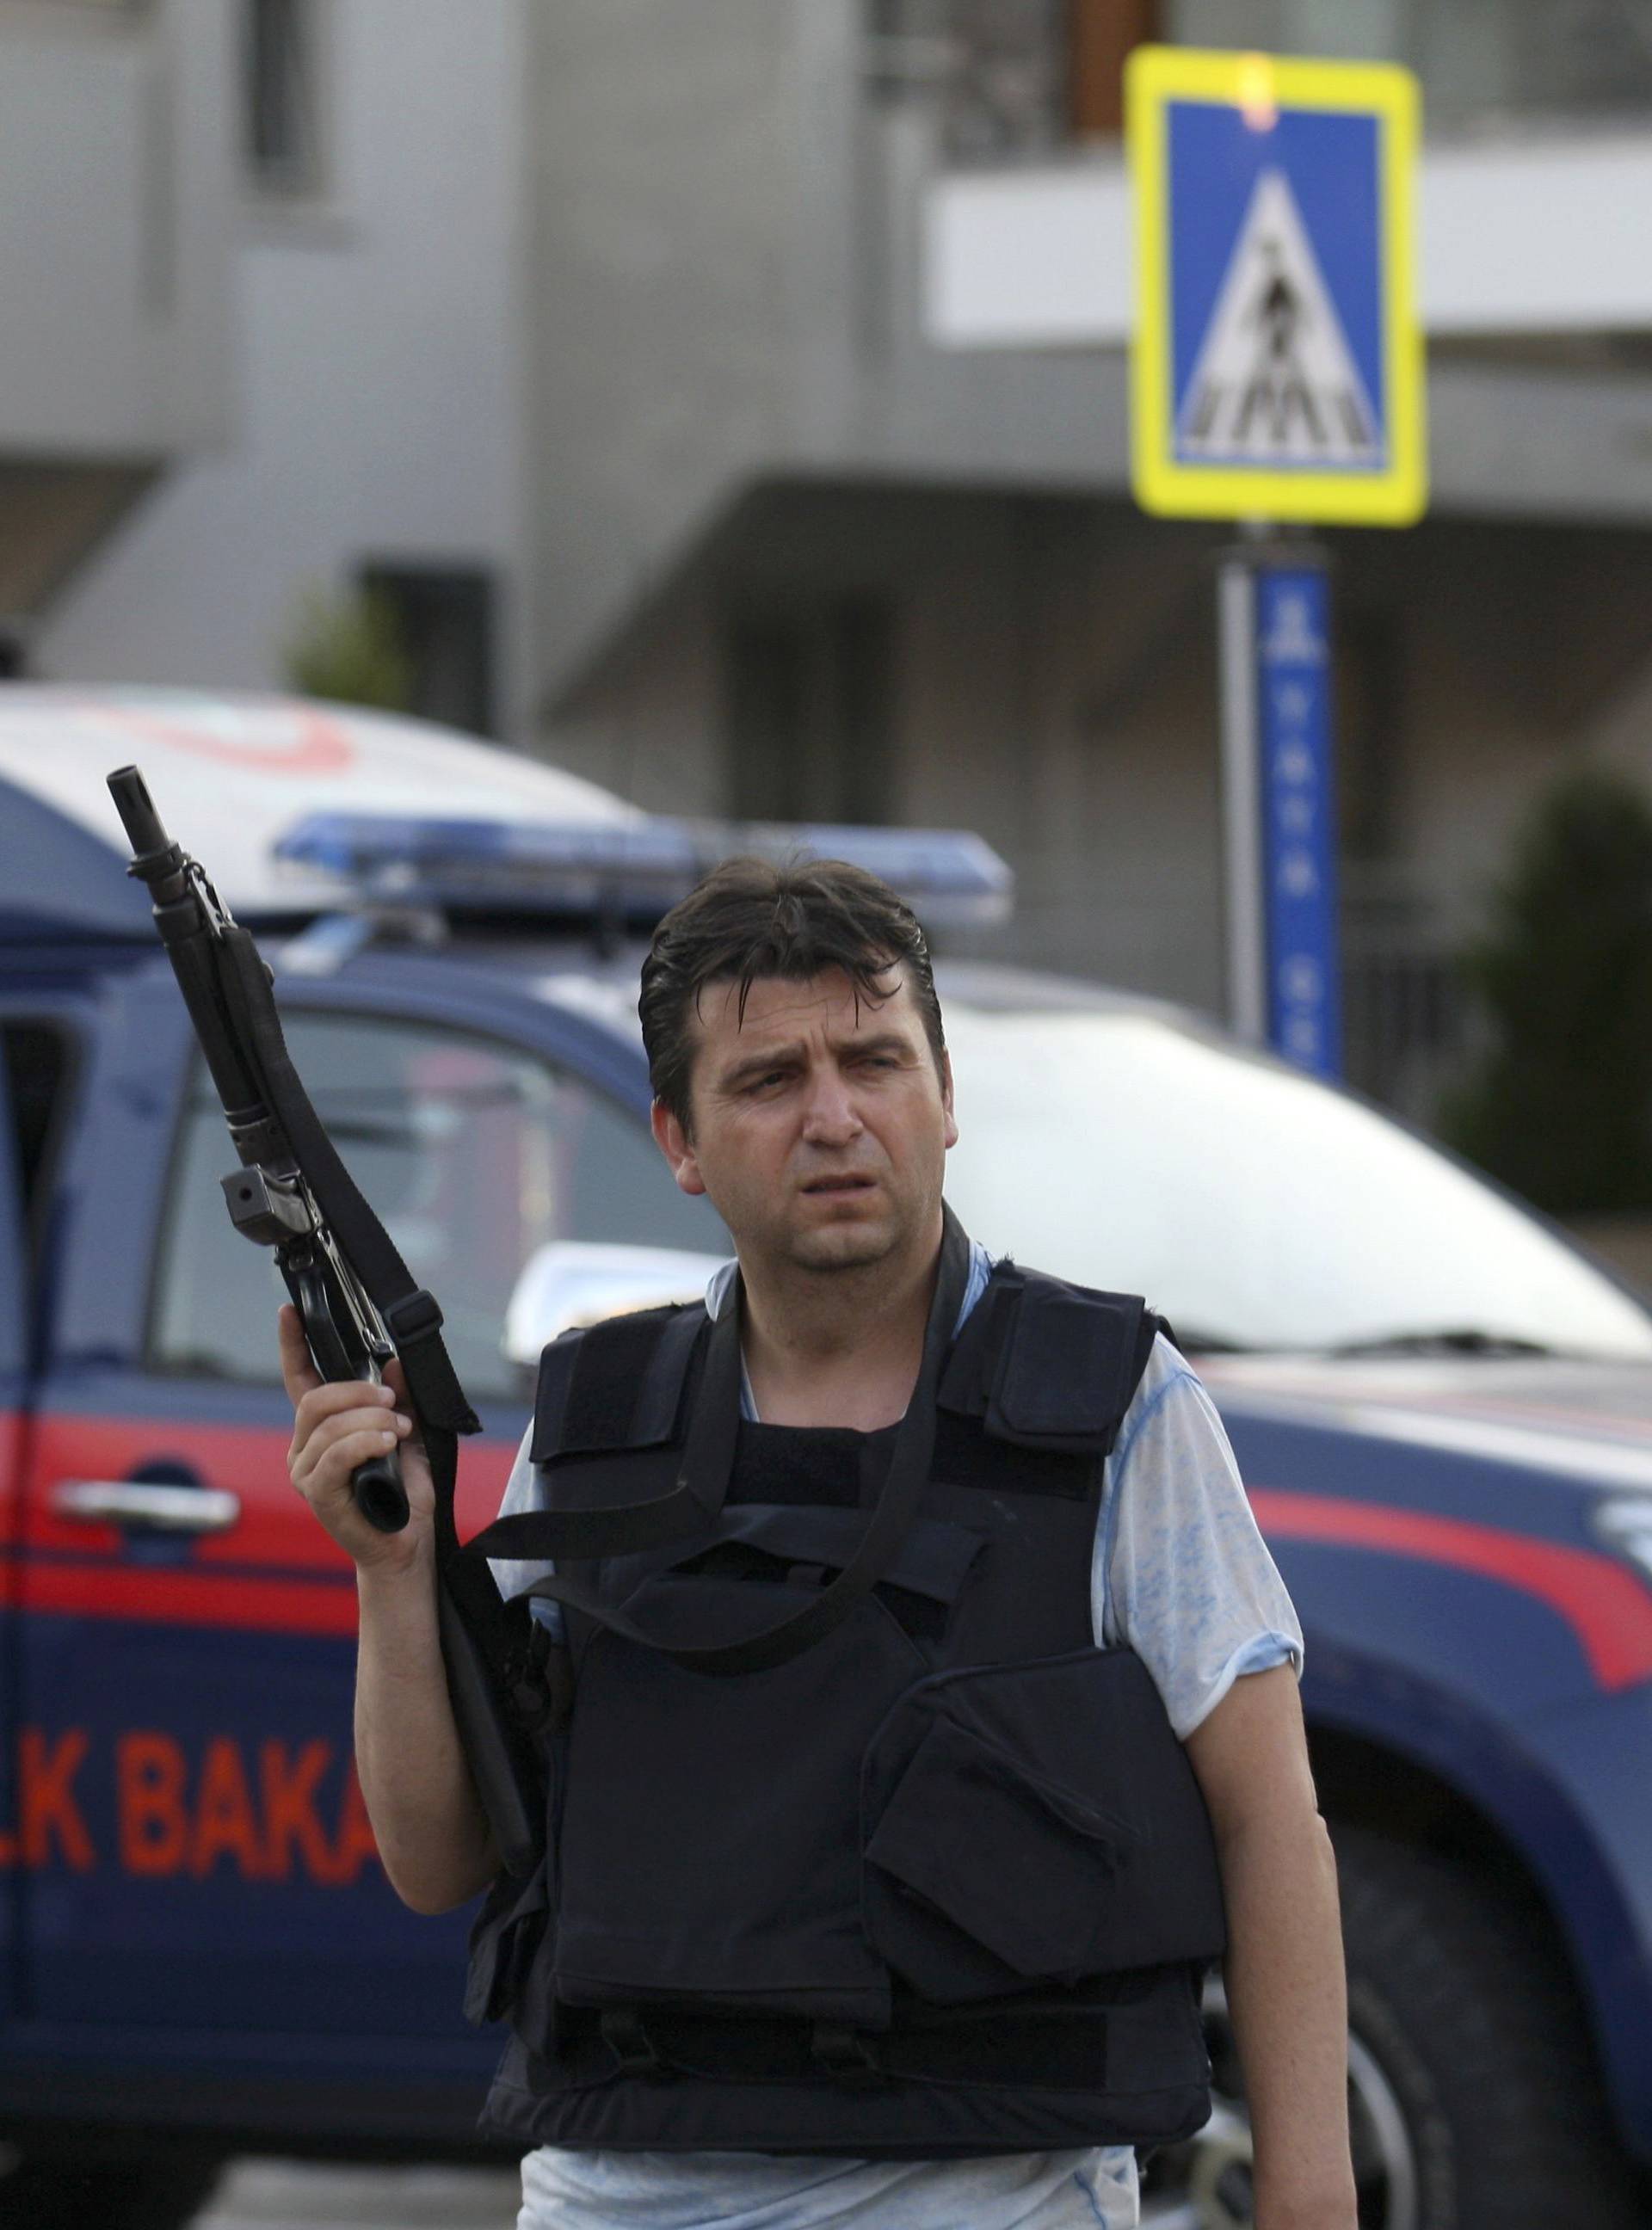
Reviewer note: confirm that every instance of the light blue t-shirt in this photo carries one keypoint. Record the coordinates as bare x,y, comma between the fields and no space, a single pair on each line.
1182,1576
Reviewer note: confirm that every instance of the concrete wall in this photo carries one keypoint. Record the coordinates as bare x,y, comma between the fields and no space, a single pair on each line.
669,214
115,355
1055,689
114,167
1060,698
379,339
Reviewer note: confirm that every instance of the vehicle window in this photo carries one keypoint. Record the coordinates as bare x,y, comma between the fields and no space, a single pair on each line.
37,1064
472,1153
12,1340
1252,1205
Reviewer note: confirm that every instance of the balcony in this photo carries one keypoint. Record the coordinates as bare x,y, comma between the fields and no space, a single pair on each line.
1536,284
1521,239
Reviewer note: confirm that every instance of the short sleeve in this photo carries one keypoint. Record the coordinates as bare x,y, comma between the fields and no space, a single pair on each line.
1182,1574
513,1575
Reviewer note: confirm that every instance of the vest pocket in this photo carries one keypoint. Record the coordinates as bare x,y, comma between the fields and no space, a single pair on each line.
504,1938
709,1845
1035,1823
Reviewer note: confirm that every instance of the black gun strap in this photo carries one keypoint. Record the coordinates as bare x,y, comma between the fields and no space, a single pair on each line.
486,1642
410,1314
696,1495
494,1684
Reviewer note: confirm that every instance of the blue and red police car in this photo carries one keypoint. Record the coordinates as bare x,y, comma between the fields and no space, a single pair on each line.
1442,1410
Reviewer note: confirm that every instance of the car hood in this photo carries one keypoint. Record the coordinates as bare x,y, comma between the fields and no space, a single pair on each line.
1591,1421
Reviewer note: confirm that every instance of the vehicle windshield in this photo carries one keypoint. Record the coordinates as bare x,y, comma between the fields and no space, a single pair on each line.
1253,1206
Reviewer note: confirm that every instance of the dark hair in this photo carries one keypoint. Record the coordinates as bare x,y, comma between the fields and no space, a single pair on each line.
750,918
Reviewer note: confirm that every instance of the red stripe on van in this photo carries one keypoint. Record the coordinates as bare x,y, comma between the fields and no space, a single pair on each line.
1606,1607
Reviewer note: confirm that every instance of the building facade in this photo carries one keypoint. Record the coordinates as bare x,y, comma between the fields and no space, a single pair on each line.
830,458
730,400
115,358
371,204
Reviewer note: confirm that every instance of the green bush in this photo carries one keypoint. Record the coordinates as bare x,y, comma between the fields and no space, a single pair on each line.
1560,1106
348,648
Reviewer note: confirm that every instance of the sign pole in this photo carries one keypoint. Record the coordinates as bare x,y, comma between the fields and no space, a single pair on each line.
1276,380
1241,823
1279,802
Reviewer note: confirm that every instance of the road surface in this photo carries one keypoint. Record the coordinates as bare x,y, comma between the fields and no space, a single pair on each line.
267,2194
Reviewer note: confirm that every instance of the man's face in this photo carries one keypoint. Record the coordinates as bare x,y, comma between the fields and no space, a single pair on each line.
820,1125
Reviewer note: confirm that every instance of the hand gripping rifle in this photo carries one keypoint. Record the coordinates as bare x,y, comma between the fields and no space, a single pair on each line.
359,1302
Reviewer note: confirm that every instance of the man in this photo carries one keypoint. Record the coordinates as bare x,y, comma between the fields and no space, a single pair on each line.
799,1060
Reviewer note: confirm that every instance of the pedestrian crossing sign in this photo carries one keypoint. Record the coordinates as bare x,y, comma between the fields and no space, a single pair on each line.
1276,368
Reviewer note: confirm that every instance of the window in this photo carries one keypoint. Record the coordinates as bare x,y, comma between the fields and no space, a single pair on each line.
37,1058
472,1153
1100,34
280,123
810,712
1121,1148
444,624
1012,78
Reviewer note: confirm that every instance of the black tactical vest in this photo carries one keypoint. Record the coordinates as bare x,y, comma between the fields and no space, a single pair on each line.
856,1843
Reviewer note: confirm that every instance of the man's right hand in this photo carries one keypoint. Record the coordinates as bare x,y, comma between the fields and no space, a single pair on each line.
336,1426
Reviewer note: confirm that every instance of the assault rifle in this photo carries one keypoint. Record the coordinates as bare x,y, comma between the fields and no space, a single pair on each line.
358,1301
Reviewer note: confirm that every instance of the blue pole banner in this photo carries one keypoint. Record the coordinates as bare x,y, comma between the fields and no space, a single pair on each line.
1298,816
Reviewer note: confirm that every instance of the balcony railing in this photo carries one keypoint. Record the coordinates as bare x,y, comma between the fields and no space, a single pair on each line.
997,69
1016,79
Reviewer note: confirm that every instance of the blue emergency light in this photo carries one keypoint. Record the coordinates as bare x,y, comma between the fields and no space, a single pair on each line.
635,867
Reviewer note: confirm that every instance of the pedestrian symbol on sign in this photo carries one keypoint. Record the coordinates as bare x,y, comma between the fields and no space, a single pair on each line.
1275,382
1276,361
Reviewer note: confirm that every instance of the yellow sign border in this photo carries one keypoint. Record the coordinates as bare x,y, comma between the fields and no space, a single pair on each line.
1395,497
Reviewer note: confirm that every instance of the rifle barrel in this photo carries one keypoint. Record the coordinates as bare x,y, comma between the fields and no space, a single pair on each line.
138,815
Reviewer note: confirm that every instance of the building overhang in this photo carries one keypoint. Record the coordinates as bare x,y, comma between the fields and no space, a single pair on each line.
1520,239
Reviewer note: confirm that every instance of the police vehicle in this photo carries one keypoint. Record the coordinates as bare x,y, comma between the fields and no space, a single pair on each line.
1442,1410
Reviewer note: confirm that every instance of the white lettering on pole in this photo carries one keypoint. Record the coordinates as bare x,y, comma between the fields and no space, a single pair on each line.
1293,640
1301,980
1298,876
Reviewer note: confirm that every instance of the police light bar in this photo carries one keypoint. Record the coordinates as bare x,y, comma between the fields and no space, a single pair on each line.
554,867
632,868
945,875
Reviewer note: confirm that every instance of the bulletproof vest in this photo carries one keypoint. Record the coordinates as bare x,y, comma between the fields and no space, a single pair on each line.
850,1849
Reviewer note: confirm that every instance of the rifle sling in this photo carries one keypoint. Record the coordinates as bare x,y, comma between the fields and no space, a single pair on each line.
411,1315
485,1641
